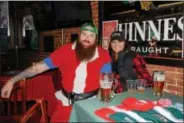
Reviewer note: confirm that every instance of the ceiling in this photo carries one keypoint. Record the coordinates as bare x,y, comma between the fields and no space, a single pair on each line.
122,9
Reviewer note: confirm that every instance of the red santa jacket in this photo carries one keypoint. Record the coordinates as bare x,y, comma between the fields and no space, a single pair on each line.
78,77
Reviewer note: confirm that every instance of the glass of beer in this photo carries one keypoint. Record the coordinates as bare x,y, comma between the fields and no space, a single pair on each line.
141,85
159,80
106,83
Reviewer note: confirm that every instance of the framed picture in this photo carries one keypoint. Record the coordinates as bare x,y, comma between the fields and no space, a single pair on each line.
108,28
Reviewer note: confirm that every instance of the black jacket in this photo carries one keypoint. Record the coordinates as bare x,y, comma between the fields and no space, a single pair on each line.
124,66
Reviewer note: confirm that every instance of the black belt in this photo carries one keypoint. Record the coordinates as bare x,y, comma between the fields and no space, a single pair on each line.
72,97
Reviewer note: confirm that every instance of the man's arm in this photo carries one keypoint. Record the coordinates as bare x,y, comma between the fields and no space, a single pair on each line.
31,71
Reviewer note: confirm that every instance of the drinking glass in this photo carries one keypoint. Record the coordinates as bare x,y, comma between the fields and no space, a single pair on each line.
106,82
131,85
159,81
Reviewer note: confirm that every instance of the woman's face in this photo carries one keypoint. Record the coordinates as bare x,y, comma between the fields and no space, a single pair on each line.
117,46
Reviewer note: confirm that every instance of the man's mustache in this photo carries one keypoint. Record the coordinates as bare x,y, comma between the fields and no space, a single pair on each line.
87,41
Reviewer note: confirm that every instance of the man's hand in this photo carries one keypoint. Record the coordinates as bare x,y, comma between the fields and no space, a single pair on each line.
6,90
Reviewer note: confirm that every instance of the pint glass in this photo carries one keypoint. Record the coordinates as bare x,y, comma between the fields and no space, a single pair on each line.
159,80
106,87
131,85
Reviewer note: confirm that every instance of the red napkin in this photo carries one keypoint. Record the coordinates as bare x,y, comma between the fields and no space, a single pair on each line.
105,113
140,105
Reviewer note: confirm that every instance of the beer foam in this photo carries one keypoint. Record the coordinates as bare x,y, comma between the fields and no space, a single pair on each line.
161,78
105,84
105,87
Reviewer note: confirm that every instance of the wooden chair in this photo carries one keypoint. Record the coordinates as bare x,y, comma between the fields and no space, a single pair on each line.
38,109
13,107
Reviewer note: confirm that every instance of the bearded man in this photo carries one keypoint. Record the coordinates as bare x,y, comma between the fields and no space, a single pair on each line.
80,65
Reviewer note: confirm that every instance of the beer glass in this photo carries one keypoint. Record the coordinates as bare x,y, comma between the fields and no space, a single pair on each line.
141,85
131,85
159,80
106,82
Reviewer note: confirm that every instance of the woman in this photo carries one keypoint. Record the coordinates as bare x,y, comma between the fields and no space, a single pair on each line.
126,64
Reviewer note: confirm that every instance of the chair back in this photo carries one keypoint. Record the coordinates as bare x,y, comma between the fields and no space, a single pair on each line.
36,112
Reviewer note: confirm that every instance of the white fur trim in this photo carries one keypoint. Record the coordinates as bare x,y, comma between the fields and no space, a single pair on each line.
60,96
81,75
73,46
80,78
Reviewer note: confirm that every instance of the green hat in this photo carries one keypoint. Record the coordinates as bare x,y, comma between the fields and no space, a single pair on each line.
93,27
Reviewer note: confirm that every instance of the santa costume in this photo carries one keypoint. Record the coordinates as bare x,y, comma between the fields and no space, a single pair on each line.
77,76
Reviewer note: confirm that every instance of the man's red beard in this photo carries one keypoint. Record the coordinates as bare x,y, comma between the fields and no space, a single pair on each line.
84,53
